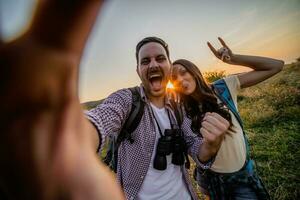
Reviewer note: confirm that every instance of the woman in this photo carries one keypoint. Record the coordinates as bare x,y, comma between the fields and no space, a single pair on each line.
231,175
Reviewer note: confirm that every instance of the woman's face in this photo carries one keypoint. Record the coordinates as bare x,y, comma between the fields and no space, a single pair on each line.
183,81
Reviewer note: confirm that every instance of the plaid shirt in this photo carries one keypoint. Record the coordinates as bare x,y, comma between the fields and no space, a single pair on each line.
134,159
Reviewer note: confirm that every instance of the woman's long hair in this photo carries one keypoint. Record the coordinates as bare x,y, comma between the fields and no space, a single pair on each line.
202,100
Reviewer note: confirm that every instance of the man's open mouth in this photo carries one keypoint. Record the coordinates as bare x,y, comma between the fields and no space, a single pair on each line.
155,80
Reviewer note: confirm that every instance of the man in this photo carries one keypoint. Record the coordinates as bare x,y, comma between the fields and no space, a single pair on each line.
136,172
45,151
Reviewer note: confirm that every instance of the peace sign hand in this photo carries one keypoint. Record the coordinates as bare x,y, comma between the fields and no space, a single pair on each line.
224,53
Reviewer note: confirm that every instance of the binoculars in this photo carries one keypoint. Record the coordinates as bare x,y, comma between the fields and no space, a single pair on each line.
171,142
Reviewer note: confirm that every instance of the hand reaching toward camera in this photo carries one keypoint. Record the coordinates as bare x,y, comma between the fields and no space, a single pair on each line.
46,149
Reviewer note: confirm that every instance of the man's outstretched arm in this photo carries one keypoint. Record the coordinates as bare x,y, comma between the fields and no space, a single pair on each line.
47,147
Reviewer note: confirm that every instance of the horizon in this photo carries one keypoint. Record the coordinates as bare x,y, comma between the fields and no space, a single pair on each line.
265,28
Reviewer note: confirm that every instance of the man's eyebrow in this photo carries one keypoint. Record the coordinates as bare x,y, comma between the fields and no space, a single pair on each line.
144,58
148,57
161,56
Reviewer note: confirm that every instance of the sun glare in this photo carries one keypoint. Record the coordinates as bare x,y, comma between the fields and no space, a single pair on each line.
170,85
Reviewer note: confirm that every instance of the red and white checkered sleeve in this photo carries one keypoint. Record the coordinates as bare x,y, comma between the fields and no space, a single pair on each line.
109,116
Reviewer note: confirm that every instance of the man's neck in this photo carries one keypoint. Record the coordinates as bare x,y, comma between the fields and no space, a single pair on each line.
158,102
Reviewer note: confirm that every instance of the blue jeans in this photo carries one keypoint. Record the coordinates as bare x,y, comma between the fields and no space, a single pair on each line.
243,192
241,185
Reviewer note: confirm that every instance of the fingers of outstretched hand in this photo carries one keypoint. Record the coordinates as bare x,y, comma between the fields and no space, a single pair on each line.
222,53
222,42
54,26
215,52
48,77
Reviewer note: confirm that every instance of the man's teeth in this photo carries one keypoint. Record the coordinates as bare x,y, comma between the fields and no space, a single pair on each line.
155,76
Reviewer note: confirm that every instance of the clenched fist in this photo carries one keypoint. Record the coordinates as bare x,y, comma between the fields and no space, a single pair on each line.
213,130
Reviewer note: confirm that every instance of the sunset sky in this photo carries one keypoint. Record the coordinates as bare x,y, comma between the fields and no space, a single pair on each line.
257,27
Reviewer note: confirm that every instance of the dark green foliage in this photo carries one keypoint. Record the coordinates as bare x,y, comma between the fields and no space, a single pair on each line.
214,75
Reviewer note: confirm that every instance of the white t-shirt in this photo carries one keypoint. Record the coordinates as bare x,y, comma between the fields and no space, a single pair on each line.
165,184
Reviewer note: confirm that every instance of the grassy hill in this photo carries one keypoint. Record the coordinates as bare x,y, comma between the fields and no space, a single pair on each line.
271,113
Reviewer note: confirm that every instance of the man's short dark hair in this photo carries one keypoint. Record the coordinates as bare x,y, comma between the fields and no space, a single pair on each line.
147,40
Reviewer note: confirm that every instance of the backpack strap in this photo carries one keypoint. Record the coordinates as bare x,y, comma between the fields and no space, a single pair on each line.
221,89
134,118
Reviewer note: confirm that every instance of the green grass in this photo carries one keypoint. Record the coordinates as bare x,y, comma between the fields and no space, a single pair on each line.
271,113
